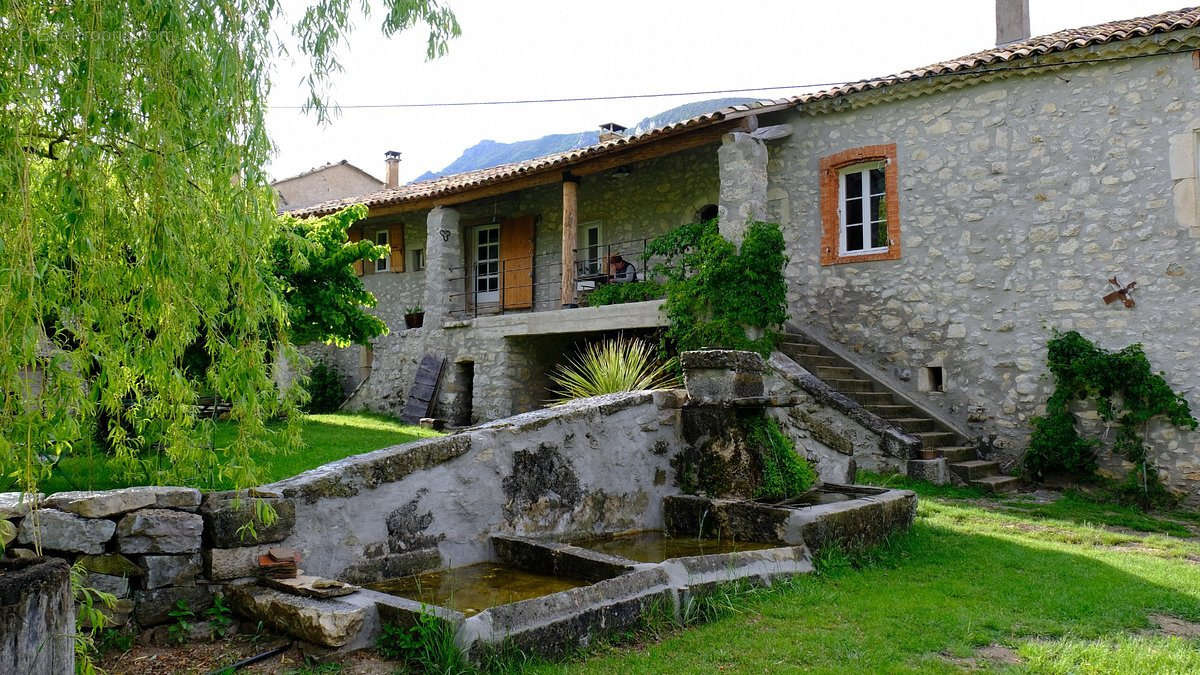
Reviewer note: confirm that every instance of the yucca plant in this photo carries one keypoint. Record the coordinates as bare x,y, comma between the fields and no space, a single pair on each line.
621,364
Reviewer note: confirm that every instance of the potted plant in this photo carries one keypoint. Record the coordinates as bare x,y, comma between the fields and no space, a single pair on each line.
414,317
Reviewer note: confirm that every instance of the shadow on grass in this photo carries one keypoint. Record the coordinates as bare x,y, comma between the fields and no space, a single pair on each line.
935,593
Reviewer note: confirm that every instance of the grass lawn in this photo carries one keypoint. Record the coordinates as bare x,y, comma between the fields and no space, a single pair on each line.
326,438
995,585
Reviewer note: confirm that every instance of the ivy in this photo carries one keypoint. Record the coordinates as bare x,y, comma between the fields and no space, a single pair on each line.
1125,392
715,291
619,294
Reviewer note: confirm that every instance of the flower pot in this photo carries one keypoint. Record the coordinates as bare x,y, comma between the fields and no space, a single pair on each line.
414,320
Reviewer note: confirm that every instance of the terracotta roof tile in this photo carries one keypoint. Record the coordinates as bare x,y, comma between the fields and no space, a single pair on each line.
1065,40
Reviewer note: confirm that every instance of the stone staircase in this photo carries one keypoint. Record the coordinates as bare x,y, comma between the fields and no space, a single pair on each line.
937,440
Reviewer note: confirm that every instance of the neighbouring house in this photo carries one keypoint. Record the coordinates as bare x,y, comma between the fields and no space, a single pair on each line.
331,181
939,222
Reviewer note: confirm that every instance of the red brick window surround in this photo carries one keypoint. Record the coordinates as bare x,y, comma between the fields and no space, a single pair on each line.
860,208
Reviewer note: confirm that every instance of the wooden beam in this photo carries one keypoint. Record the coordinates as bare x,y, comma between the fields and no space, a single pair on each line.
678,142
570,223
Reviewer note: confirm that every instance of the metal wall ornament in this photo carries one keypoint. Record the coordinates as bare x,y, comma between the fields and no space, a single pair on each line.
1122,293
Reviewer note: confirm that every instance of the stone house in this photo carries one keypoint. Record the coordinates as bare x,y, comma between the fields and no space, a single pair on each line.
939,223
329,181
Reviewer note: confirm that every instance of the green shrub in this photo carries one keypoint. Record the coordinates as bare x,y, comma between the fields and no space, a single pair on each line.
619,294
324,389
427,643
715,291
1125,392
785,473
610,366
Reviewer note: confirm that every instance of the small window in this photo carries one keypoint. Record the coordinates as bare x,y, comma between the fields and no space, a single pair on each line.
860,214
418,259
932,379
591,253
862,200
381,238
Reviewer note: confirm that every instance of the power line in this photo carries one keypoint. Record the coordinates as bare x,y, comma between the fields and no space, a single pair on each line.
625,97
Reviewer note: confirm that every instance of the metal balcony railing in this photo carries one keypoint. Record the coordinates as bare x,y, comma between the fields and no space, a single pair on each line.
534,283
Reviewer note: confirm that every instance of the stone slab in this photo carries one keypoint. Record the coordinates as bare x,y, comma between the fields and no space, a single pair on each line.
108,503
113,564
107,583
310,586
222,564
16,504
61,531
329,623
160,531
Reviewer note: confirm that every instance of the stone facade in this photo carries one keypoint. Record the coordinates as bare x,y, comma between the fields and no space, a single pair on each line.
333,181
1018,199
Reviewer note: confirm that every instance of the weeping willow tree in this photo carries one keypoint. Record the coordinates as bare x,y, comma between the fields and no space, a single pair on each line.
134,217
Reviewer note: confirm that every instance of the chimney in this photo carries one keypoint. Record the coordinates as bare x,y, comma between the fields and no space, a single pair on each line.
1012,21
610,131
392,158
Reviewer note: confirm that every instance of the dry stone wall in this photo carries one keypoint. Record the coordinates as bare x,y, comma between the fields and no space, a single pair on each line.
1019,198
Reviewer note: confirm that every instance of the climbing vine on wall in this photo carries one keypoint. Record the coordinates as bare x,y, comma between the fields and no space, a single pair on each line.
716,291
1126,393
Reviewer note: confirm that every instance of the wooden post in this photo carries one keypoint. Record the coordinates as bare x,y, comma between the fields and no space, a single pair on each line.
570,222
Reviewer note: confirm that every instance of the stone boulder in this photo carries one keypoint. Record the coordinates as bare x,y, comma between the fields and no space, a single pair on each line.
66,531
152,607
160,531
225,515
113,564
118,586
171,570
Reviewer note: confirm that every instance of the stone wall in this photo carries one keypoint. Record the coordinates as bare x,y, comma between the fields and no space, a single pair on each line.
1019,198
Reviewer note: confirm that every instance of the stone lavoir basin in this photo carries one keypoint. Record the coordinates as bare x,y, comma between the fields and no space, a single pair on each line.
655,546
473,588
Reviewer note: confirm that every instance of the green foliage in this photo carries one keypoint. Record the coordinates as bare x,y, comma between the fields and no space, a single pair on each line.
1124,390
136,218
324,387
621,364
183,616
715,292
89,618
220,617
619,294
427,643
784,472
313,263
115,639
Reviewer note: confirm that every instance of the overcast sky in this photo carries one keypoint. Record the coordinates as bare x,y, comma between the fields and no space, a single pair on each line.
521,49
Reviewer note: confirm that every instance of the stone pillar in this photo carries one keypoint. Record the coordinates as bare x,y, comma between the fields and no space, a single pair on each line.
743,169
570,223
444,265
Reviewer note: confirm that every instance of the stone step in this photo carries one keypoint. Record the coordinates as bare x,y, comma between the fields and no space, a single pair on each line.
937,439
870,398
974,469
790,347
851,385
996,484
828,373
952,453
892,411
914,425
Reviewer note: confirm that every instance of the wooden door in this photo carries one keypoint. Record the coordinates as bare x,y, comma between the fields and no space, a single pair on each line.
516,262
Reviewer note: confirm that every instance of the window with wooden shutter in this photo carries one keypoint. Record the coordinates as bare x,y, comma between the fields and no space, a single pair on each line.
396,240
355,235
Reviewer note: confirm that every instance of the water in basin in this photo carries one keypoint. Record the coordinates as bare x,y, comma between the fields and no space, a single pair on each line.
473,588
655,546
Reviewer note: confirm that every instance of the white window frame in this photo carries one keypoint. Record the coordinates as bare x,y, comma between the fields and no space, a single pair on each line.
584,228
382,239
418,260
485,296
864,169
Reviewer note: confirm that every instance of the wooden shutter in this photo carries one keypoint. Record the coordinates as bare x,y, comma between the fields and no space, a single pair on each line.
396,241
516,262
356,235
